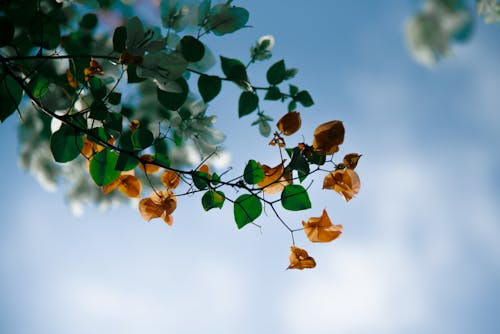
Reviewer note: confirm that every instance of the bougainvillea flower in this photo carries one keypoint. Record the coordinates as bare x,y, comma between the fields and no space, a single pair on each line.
127,183
328,136
289,123
344,181
90,147
299,259
148,168
274,179
139,41
71,79
170,179
321,229
160,204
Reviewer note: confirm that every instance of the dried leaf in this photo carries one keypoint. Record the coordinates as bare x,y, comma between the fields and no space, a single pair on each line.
328,136
71,79
344,181
93,69
134,125
321,229
289,123
148,168
130,185
351,160
299,259
160,204
170,179
274,179
204,168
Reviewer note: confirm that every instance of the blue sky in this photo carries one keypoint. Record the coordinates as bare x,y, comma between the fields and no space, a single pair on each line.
420,250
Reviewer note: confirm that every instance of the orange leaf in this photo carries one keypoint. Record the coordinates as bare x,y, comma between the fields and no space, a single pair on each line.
289,123
130,185
204,168
328,136
149,209
170,179
351,160
71,79
299,259
160,204
344,181
134,125
148,168
321,229
270,184
93,69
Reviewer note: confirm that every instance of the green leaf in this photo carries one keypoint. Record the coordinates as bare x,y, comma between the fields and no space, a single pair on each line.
6,31
161,159
10,97
115,98
215,179
213,199
304,98
174,101
141,139
253,172
276,73
44,32
223,19
247,103
97,88
102,167
264,128
38,85
292,106
247,208
119,39
125,162
201,180
192,49
209,86
132,76
294,90
66,144
234,70
98,110
89,21
97,134
294,197
273,93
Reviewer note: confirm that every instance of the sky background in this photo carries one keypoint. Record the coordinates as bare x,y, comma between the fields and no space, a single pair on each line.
420,251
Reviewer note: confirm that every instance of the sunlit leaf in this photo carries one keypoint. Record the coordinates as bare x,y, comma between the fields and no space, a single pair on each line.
321,229
170,179
328,136
148,168
295,198
299,259
213,199
351,160
102,167
127,183
274,179
344,181
161,204
247,208
253,172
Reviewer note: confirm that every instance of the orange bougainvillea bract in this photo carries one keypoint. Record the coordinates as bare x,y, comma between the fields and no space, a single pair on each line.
148,168
321,229
344,181
170,179
289,123
299,259
328,136
351,160
274,179
127,183
161,203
